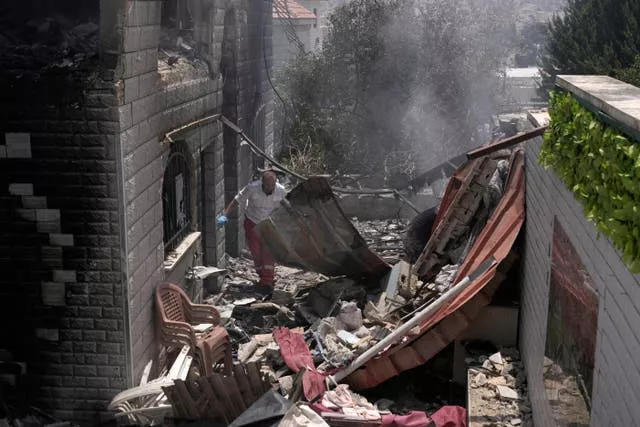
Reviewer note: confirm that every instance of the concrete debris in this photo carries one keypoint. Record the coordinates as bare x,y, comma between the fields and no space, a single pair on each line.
384,404
350,317
480,380
507,393
496,359
339,318
385,237
498,396
47,43
445,278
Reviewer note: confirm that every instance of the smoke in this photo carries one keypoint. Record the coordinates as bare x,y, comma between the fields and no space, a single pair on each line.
448,56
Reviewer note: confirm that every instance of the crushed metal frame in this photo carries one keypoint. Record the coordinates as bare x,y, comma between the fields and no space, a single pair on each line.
438,331
309,230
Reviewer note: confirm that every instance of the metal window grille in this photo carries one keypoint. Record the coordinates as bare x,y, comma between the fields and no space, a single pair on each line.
176,201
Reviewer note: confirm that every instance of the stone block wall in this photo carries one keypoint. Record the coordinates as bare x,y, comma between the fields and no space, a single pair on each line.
62,293
616,388
81,173
159,98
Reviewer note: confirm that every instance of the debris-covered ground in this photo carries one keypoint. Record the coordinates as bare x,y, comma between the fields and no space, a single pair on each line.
47,43
313,331
498,391
385,237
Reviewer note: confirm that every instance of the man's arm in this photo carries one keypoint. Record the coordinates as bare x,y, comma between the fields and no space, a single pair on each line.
231,206
242,194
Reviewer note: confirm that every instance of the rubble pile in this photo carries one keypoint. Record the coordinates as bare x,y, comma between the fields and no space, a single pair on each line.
385,237
47,44
313,331
498,392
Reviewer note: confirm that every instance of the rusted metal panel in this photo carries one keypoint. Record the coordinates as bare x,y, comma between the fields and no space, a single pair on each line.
435,333
309,230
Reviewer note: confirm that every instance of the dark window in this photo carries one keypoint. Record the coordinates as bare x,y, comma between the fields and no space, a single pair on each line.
571,335
315,12
176,200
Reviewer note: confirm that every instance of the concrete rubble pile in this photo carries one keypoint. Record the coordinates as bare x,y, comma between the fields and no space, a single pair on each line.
498,393
47,44
317,325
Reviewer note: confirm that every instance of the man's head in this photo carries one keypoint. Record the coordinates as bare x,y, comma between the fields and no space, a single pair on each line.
268,182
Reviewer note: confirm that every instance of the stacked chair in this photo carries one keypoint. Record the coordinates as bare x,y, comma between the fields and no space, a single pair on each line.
197,325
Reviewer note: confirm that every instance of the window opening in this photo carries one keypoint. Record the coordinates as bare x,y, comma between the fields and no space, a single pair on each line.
176,201
571,335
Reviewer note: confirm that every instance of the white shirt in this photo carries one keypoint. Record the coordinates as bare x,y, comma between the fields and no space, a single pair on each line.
258,204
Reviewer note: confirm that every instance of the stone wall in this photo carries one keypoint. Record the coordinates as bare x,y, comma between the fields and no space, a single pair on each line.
615,395
159,98
82,159
60,249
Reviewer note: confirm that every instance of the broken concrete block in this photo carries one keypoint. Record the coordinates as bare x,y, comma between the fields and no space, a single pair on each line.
351,316
516,422
497,359
496,381
480,379
348,338
506,393
487,365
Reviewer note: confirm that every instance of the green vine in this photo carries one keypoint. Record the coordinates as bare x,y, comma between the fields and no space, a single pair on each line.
602,168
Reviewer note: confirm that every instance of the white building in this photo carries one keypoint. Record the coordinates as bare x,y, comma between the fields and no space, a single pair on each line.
297,25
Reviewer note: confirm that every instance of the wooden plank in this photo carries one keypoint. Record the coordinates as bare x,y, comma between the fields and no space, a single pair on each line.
176,403
212,409
223,397
234,393
255,379
243,383
186,399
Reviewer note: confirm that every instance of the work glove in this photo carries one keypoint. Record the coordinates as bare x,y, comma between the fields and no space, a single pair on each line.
222,220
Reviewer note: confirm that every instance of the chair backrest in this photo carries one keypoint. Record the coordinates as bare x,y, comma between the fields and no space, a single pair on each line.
170,302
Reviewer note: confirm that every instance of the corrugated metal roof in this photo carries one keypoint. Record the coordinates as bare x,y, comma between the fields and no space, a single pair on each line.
309,230
439,330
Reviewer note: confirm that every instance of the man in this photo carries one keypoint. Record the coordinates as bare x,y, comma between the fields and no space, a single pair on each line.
418,233
261,198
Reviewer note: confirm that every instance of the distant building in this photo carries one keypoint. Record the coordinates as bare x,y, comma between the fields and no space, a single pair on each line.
298,26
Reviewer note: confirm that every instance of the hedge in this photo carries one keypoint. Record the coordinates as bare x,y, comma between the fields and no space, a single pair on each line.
602,168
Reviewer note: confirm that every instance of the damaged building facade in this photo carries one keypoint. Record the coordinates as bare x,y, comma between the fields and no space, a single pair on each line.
114,165
580,305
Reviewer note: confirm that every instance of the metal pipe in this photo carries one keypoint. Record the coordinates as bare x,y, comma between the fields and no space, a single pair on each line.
168,136
415,321
506,143
261,152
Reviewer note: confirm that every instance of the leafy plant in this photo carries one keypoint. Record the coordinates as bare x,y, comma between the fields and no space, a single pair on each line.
602,168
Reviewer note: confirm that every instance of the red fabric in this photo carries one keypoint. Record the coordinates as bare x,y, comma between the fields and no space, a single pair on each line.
450,416
297,356
412,419
262,259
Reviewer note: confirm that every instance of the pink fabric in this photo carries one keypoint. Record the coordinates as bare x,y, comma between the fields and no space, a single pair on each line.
450,416
297,356
412,419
